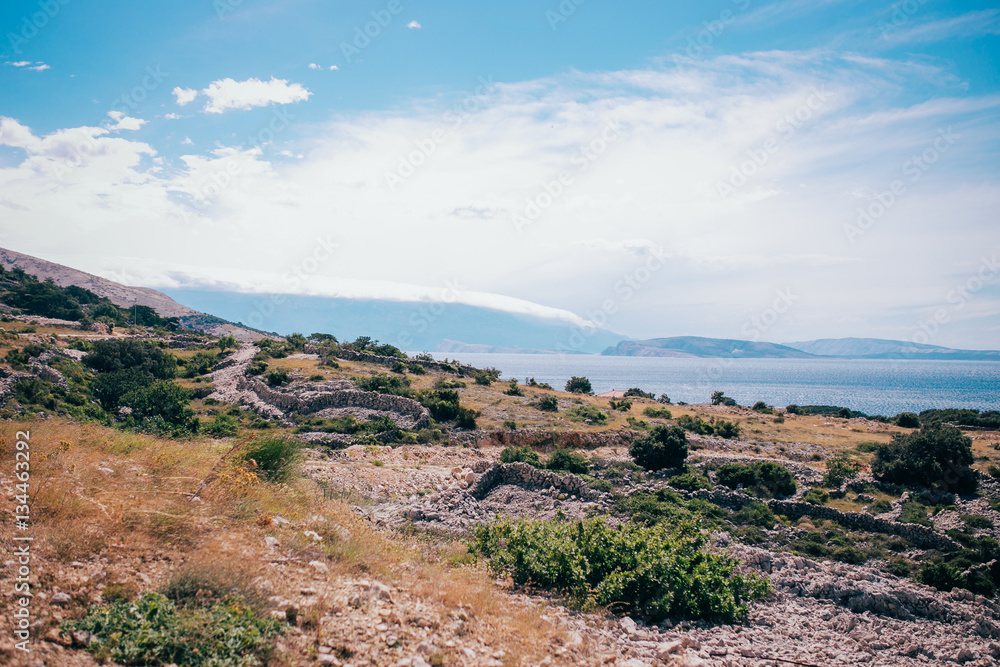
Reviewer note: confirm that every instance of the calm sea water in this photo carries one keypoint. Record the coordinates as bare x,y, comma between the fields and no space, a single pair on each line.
873,387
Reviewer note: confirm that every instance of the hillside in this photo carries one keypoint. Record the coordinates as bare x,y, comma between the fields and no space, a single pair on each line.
877,348
125,296
340,491
695,346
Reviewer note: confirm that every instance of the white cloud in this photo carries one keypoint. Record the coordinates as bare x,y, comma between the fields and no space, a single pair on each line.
414,25
653,185
317,66
230,94
333,68
123,122
985,22
37,66
187,142
172,116
184,95
314,66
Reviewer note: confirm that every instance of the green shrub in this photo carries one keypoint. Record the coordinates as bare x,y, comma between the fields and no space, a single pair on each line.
914,512
483,379
568,460
381,383
763,408
649,572
816,496
977,521
880,507
867,447
657,413
763,479
907,420
108,388
525,454
278,377
936,455
754,514
726,429
513,389
223,426
622,405
639,393
581,413
578,385
720,398
160,401
838,469
690,480
119,354
511,424
274,456
447,383
152,630
547,404
662,447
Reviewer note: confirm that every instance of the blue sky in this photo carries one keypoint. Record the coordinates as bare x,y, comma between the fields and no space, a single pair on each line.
781,171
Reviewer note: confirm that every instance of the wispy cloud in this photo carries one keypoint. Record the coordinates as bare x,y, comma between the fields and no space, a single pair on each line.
27,64
231,94
414,25
985,22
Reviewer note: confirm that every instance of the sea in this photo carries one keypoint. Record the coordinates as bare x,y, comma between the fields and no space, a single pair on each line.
875,387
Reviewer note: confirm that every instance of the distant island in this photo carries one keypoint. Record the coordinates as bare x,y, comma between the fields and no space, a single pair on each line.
840,348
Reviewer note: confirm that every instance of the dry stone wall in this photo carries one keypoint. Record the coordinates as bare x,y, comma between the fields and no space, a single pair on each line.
540,439
524,475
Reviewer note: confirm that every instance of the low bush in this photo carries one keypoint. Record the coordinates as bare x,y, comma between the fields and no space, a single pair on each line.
639,393
514,389
381,383
274,457
977,521
914,512
547,404
838,469
587,413
936,455
763,408
152,630
278,377
223,426
623,405
816,496
662,447
690,480
569,461
648,572
657,413
907,420
763,479
578,385
524,454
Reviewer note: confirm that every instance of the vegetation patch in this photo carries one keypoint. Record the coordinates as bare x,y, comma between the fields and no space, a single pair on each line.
764,479
651,572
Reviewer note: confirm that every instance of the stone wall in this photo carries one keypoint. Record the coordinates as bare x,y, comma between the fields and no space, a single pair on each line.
538,438
309,402
522,474
922,536
351,355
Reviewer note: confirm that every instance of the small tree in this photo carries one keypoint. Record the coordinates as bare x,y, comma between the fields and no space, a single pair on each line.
579,385
907,420
663,447
226,342
720,398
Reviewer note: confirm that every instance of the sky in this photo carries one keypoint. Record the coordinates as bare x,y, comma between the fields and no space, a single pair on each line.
767,171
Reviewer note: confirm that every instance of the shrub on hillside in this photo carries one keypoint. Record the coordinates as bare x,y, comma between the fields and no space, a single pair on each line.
118,354
662,447
763,479
274,456
381,383
657,413
513,389
547,404
639,393
524,454
838,469
587,413
622,405
648,572
907,420
579,385
938,455
568,461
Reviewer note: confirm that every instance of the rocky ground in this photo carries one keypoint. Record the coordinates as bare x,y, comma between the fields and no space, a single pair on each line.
821,613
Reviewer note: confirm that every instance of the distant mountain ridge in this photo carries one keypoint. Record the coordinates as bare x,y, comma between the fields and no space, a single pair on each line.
697,346
879,348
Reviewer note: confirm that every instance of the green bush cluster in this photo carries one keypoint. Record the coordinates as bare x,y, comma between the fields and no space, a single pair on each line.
579,385
153,630
273,457
838,469
649,572
657,413
662,447
715,426
936,455
547,404
764,479
582,413
623,405
561,460
639,393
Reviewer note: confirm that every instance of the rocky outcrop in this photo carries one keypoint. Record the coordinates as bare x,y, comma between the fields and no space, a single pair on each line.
524,475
